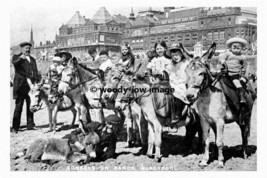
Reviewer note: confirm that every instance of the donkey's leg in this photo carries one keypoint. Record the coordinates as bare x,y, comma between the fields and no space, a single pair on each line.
84,114
143,131
129,130
158,140
55,111
206,134
50,120
74,113
151,137
245,132
219,141
78,115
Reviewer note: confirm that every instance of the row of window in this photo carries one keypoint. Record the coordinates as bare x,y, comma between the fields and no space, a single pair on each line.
88,29
180,37
216,35
137,41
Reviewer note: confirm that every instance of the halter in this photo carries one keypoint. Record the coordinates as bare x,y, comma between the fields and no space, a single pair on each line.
130,100
73,87
207,81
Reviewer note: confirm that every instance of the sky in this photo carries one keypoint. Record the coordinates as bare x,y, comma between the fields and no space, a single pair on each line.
46,16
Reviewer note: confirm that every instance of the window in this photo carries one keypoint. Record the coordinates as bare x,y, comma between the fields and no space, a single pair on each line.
194,36
187,37
229,21
180,38
133,41
221,35
166,39
209,36
242,33
141,41
216,36
237,33
172,38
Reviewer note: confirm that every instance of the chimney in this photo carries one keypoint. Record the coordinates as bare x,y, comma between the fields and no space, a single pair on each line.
167,11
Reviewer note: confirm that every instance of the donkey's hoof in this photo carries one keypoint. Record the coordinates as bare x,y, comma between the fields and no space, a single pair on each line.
48,131
150,155
203,164
158,158
220,165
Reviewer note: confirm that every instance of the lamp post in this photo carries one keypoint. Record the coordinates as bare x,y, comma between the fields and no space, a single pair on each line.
198,47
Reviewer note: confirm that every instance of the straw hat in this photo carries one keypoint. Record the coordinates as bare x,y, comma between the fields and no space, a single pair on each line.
56,59
61,53
242,41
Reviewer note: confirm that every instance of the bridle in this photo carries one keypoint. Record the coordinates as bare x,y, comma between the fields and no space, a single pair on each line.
207,81
129,100
39,102
74,74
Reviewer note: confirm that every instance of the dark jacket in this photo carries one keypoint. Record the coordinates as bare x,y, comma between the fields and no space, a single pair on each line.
23,70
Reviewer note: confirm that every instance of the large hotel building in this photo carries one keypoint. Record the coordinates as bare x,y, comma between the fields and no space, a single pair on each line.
173,25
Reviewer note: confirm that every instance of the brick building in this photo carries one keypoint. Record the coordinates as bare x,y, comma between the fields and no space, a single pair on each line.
190,25
173,25
102,32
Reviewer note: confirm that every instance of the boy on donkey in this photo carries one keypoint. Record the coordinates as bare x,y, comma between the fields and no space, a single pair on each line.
234,64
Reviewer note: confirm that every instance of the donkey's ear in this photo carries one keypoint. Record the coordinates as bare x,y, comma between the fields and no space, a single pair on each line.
185,51
207,55
73,62
84,130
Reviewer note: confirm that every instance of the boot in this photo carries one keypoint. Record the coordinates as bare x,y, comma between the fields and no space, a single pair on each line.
242,97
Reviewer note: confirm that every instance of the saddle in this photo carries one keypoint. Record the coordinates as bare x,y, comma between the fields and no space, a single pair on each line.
231,93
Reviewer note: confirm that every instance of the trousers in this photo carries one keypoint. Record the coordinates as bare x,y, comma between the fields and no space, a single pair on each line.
18,110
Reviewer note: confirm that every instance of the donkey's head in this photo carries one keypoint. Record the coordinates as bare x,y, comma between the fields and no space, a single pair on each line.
112,79
124,92
70,77
198,76
37,93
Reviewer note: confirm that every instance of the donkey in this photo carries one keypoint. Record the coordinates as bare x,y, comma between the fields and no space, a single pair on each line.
44,92
155,112
78,146
77,77
214,106
134,116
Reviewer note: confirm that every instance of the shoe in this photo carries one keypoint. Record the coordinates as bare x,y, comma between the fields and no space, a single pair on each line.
242,95
32,128
174,121
12,130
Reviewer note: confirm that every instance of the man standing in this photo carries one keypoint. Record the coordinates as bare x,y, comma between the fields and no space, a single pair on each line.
25,75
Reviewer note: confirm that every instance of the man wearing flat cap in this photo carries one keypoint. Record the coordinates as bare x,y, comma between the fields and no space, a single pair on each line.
26,74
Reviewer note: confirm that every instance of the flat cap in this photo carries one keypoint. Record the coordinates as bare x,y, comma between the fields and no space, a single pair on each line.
25,44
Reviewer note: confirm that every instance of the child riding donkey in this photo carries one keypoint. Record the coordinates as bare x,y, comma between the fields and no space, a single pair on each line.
233,64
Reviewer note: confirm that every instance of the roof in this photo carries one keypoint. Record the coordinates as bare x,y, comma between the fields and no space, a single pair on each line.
102,16
141,21
245,20
75,20
120,19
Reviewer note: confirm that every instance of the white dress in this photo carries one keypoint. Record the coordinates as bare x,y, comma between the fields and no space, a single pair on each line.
159,64
106,64
178,79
